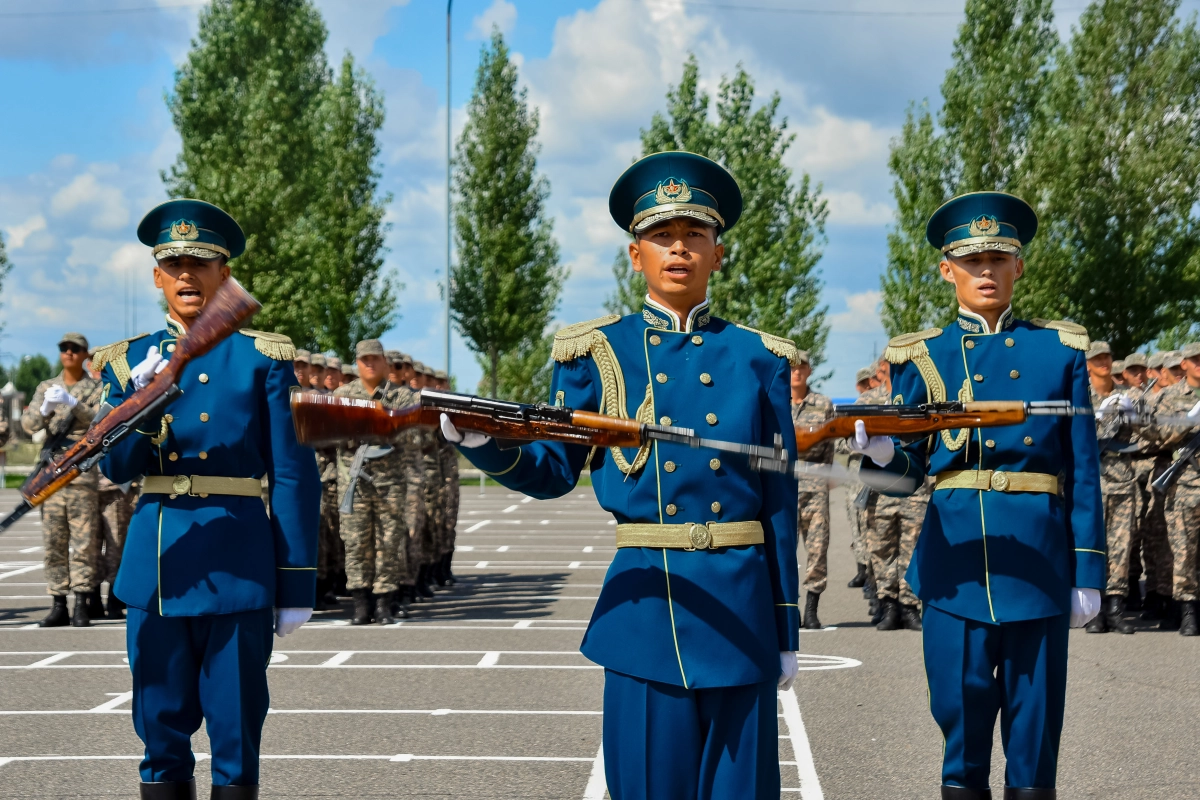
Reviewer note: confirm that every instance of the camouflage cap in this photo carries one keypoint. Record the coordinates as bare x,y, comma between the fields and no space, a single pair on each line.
1155,361
316,359
1098,349
1191,350
1135,360
302,356
348,369
864,374
77,339
1118,367
1173,358
441,375
393,356
333,362
418,367
368,347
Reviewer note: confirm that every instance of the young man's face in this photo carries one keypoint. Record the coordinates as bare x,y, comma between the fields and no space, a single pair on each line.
800,376
301,370
1100,366
1135,376
863,386
333,378
1191,370
71,356
1175,374
983,281
677,257
372,369
188,283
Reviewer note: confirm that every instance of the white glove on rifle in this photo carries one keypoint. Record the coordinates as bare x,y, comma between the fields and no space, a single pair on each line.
468,439
1085,604
1122,402
879,449
288,620
56,396
788,667
147,368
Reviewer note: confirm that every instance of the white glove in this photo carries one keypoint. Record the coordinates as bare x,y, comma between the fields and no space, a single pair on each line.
468,439
1195,412
788,667
56,396
288,620
1122,402
879,449
1085,604
147,368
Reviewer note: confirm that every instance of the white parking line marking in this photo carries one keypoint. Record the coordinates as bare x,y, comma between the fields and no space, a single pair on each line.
30,549
436,712
481,565
527,500
588,549
510,509
45,662
399,758
339,659
810,786
597,784
20,571
525,623
544,522
502,548
478,525
119,699
489,659
573,565
464,548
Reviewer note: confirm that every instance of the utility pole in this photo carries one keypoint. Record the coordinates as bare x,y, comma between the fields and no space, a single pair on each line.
449,3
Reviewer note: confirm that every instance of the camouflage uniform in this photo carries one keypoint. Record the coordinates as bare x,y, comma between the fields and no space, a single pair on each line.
116,510
3,430
1152,523
812,516
71,516
448,457
1182,502
374,533
422,548
1118,486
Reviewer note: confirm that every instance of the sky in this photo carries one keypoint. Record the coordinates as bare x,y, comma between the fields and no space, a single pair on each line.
85,134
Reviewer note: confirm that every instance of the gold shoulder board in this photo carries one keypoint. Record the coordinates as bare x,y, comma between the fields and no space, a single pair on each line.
784,348
115,355
271,345
1069,333
577,340
907,346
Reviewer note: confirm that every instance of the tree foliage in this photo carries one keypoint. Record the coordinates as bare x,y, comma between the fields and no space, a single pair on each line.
5,268
272,137
769,278
630,289
31,371
523,373
507,283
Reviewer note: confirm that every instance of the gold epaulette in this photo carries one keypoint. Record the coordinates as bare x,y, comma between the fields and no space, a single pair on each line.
784,348
1069,333
578,340
907,346
115,355
272,345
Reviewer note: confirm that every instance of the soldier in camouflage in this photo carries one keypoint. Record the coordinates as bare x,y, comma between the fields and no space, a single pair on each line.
448,461
424,543
71,516
811,408
316,372
375,531
117,502
856,504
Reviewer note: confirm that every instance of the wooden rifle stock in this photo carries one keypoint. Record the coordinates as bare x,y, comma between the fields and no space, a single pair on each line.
908,422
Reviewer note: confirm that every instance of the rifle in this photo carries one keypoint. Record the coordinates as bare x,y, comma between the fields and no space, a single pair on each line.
1171,474
222,315
324,420
361,455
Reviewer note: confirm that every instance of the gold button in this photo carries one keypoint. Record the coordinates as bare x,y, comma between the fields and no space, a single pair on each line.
661,377
990,442
169,418
203,454
204,377
1014,374
715,463
1009,342
1028,440
174,496
170,348
671,509
978,378
204,494
664,420
173,457
656,339
669,466
970,345
697,340
711,418
716,507
705,378
999,481
204,416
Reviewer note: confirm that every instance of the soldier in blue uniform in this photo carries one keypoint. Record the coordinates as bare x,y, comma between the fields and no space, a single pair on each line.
207,573
1012,552
697,623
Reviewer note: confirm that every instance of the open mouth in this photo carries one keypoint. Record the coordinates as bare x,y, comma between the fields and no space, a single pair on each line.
677,270
189,294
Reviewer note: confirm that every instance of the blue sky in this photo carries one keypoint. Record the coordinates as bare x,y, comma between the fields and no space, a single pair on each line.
85,134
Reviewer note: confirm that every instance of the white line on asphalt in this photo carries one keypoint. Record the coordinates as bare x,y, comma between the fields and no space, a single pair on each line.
573,565
30,549
596,785
464,548
588,549
502,548
481,565
20,571
478,525
510,509
544,522
45,662
119,699
489,659
527,500
810,786
398,758
339,659
525,623
436,712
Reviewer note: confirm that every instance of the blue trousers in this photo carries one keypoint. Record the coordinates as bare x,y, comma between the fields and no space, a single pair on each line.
1016,669
664,742
188,670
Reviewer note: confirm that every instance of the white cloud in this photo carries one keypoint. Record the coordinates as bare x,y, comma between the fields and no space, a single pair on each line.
500,14
830,144
851,208
17,234
355,25
106,202
861,314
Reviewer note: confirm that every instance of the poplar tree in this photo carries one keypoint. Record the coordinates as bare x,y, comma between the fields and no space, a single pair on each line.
507,284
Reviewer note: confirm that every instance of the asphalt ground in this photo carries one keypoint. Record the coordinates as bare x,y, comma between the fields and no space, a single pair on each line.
483,694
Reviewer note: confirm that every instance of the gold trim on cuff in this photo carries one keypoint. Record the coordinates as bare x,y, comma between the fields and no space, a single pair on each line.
690,535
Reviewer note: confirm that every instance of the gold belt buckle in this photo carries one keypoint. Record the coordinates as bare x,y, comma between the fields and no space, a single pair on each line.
699,535
181,484
999,481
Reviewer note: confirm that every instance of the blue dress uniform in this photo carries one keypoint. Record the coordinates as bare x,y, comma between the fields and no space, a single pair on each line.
204,562
689,634
1015,521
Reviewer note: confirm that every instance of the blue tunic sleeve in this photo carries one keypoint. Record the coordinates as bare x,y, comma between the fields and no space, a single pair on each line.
1083,503
778,515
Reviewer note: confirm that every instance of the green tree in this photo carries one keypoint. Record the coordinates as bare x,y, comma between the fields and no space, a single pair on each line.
769,278
30,372
1118,172
268,135
5,268
508,280
523,373
630,291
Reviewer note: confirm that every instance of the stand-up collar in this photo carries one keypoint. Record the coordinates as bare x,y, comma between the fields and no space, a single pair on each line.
174,327
971,322
664,318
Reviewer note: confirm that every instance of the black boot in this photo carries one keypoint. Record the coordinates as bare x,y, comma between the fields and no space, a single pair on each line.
169,790
383,609
448,561
1171,616
95,604
339,585
811,621
423,582
1152,606
1029,794
890,620
320,604
400,602
80,618
963,793
58,615
362,606
1189,625
1115,610
875,609
116,606
910,617
234,793
859,579
439,572
1098,623
1133,598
